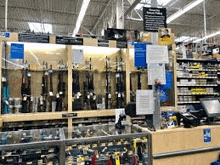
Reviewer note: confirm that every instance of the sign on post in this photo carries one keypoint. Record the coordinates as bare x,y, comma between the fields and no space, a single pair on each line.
154,18
17,51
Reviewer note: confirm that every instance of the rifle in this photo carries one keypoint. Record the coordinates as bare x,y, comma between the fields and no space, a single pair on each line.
26,90
50,96
61,89
43,102
139,79
78,102
108,85
132,95
119,85
93,103
5,89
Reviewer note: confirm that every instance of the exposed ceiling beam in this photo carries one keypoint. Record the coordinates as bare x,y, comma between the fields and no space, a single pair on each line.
133,5
101,15
134,9
46,22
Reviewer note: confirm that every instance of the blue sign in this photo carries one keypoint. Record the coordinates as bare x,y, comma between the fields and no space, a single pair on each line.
17,51
7,35
166,90
207,135
140,54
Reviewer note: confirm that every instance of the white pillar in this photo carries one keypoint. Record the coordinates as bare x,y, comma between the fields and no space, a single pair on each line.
204,8
6,15
154,36
120,14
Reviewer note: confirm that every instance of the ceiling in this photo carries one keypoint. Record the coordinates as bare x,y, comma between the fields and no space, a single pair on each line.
63,14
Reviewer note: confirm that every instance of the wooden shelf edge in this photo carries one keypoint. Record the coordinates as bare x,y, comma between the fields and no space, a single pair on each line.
32,116
96,113
54,115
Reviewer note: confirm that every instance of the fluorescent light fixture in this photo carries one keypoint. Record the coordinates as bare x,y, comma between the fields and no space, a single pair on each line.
185,39
40,27
81,15
209,36
163,2
184,10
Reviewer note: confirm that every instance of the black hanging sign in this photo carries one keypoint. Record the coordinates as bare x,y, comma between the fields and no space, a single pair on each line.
154,18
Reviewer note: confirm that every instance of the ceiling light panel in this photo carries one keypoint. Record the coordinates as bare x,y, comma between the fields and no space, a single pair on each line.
184,10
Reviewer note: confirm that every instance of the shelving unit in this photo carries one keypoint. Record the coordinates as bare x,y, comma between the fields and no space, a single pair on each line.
196,78
66,115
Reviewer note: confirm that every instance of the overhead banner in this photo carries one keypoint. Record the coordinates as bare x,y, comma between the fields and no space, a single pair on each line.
154,18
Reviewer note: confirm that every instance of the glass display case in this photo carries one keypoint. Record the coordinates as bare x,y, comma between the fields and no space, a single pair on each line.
105,144
31,147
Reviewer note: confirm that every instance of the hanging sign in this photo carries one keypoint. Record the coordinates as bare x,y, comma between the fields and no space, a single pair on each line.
154,18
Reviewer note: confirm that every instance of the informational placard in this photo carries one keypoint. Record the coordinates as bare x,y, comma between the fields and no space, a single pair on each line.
140,54
144,102
17,51
156,72
207,135
154,18
166,90
78,56
157,54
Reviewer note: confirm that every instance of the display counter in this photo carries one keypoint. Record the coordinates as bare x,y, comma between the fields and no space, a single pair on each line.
186,146
105,144
99,144
39,147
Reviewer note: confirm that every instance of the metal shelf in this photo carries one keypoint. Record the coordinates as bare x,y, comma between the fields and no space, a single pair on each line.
198,77
203,70
190,94
206,85
189,102
198,60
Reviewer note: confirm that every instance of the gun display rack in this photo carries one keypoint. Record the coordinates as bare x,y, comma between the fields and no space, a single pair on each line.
126,62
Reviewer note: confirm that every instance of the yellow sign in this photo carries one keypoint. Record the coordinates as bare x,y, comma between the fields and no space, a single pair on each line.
165,37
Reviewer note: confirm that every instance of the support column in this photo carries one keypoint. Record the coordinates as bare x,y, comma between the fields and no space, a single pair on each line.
120,14
204,8
70,98
6,15
154,35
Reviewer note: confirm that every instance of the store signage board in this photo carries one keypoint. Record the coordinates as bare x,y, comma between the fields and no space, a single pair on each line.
17,51
78,56
154,18
157,54
207,135
140,54
156,72
144,102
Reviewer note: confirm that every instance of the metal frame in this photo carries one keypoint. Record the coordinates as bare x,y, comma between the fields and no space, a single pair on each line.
182,153
62,143
54,143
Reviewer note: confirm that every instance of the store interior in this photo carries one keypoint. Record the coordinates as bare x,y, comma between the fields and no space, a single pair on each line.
110,82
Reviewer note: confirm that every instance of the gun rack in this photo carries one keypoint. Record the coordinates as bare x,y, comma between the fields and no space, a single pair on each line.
128,68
